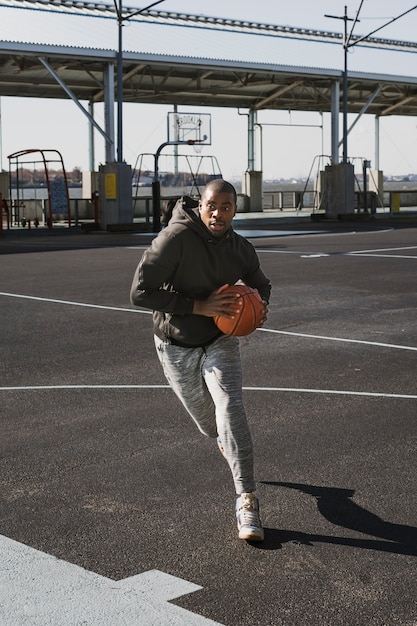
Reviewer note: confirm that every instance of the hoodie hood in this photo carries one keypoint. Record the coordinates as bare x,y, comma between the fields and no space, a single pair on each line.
190,218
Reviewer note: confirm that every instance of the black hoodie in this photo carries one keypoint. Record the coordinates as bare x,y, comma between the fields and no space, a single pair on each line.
186,263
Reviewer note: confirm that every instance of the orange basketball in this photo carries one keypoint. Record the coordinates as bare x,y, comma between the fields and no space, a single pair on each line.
250,316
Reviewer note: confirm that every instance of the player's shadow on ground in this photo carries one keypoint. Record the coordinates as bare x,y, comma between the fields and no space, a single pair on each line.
339,509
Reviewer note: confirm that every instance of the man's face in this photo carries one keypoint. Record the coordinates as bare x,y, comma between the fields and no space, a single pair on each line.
217,209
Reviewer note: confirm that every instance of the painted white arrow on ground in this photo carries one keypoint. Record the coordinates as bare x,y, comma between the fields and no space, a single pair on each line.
37,589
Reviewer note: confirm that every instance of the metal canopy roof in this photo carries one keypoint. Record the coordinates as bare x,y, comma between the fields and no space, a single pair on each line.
163,79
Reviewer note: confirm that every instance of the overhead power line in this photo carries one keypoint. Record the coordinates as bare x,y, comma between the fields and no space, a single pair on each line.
103,10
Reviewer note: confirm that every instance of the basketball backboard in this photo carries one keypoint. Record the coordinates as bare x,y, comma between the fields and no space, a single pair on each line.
191,128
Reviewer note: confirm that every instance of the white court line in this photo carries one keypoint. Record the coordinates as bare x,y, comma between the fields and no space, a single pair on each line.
281,251
306,254
335,392
384,250
382,256
281,389
361,341
266,330
376,253
85,304
367,253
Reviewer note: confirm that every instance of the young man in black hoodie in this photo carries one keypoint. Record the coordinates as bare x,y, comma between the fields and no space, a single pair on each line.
182,278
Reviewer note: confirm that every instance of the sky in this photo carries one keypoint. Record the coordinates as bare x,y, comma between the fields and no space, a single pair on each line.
289,149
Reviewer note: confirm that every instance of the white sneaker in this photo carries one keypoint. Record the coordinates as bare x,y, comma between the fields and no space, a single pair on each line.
247,515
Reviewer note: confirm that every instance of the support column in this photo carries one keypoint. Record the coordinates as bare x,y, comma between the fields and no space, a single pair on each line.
376,160
335,109
91,151
252,120
252,179
109,111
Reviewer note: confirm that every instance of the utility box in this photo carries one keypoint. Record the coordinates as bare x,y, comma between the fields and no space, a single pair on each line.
115,195
395,202
91,184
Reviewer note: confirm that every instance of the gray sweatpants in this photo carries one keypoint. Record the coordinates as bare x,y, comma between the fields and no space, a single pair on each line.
208,381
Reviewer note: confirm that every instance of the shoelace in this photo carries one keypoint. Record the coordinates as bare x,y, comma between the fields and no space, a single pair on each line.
248,514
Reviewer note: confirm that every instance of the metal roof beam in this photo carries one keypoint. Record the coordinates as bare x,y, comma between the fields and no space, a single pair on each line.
277,93
397,105
73,97
363,110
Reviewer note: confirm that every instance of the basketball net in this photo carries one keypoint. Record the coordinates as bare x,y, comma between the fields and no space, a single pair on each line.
196,144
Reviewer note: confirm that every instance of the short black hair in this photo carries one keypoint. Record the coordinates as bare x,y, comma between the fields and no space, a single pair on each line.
220,186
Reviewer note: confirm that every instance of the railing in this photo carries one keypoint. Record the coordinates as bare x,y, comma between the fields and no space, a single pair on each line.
33,212
280,200
391,200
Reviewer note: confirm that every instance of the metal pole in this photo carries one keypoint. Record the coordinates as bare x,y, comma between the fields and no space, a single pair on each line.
120,19
109,89
365,186
345,92
176,146
120,86
335,112
91,151
251,140
377,142
156,191
1,143
345,80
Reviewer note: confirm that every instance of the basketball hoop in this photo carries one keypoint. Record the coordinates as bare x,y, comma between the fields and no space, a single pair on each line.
197,144
189,128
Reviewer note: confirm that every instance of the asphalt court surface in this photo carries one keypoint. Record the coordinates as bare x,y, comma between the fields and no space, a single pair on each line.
101,468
